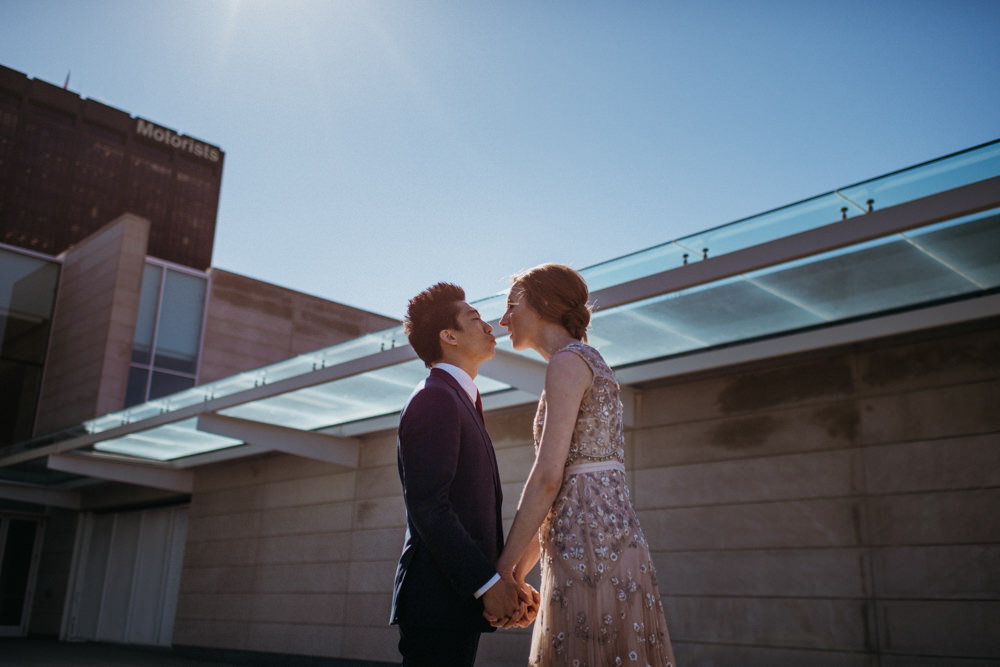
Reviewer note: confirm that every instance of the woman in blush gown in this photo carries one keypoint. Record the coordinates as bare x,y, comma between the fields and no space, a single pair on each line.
599,604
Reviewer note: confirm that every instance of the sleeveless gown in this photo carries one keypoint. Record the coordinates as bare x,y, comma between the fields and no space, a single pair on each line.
599,602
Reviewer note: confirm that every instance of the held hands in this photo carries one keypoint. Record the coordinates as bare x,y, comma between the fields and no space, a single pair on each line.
521,613
501,601
530,601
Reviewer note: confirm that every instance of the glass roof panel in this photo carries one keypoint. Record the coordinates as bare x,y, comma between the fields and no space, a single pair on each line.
769,226
970,166
358,397
969,246
877,276
167,442
870,277
492,307
639,264
363,396
744,233
348,399
624,336
293,367
700,317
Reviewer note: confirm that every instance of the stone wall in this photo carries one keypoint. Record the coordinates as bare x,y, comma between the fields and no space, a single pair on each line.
250,324
289,555
268,556
825,509
836,508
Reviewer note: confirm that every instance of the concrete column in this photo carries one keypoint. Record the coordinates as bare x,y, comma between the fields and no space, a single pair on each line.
86,371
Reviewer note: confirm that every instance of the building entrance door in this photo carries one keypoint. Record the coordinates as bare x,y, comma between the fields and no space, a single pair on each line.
126,577
20,542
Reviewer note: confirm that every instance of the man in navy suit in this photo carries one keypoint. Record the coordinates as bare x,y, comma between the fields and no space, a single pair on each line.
446,577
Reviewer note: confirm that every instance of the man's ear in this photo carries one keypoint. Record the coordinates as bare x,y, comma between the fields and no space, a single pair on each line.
447,337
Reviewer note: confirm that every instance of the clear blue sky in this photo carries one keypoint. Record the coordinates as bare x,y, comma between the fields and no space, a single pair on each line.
376,147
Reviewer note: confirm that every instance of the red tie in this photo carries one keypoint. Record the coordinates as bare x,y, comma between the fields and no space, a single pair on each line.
479,406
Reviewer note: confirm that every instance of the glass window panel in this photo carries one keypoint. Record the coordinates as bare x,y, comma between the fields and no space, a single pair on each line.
135,392
19,387
145,321
27,284
15,567
178,331
23,338
27,295
164,384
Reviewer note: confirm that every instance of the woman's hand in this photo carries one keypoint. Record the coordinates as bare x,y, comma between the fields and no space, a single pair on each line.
514,618
532,601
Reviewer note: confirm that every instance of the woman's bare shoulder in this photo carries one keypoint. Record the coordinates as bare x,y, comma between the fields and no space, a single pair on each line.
568,369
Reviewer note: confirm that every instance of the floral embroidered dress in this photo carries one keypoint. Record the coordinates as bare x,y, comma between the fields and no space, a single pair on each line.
599,602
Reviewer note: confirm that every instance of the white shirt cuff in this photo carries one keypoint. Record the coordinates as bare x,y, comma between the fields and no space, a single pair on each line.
487,586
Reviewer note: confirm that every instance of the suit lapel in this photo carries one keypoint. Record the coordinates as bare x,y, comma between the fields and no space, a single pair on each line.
464,399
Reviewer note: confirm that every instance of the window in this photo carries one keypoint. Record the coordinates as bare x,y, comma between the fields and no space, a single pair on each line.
167,333
27,295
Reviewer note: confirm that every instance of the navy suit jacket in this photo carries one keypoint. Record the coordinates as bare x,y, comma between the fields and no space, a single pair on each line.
451,489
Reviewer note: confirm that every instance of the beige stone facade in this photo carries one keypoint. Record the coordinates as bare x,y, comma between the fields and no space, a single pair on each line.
247,323
93,325
832,508
250,323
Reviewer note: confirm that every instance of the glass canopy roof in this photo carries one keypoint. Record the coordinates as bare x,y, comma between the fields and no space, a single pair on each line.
947,260
921,262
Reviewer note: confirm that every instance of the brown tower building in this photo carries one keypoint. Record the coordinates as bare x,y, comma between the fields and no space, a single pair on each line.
68,165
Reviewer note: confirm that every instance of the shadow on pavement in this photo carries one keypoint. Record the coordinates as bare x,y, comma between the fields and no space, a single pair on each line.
45,652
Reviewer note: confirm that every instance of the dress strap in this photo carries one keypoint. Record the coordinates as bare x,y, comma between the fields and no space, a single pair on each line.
595,466
598,366
581,350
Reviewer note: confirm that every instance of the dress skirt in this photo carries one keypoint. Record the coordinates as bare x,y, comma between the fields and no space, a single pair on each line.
600,605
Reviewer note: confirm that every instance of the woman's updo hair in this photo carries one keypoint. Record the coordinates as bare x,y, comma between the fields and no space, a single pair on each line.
557,293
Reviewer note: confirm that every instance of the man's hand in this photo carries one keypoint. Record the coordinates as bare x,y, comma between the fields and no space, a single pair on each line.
531,601
502,602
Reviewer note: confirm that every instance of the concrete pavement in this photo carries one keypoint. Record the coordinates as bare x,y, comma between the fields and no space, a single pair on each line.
44,652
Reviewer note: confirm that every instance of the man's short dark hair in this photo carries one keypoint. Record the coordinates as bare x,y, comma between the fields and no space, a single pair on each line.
428,313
